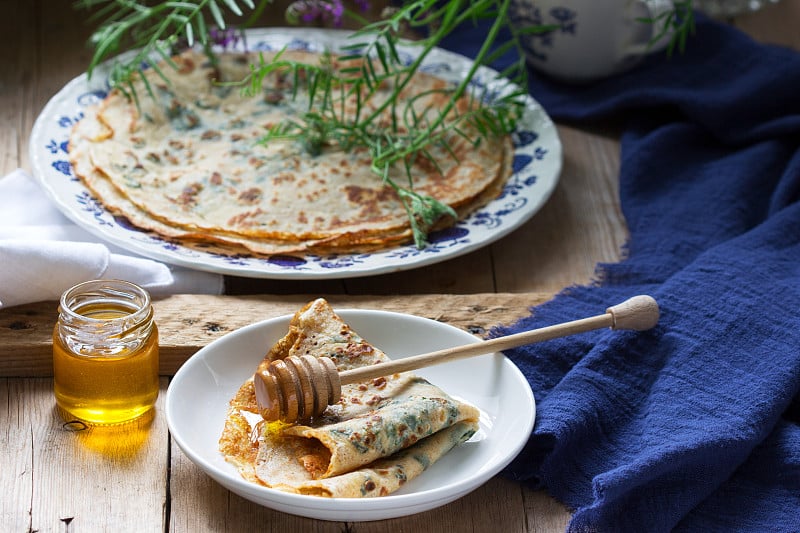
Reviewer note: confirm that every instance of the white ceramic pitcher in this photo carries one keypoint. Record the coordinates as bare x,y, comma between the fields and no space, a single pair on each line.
594,39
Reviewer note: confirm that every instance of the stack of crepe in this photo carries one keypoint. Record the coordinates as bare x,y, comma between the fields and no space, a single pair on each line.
183,160
380,434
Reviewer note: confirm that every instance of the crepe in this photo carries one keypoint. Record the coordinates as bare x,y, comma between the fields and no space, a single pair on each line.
380,435
187,164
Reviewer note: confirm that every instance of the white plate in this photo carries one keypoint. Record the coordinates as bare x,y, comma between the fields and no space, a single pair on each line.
537,165
198,396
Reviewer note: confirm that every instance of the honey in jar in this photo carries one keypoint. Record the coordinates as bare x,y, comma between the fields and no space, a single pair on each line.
105,353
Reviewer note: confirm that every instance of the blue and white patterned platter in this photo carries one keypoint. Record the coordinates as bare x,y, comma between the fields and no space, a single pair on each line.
536,168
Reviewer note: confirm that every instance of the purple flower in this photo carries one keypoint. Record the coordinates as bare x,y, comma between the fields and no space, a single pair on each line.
320,10
226,38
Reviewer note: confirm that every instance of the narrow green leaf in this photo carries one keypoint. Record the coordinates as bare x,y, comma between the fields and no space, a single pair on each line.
233,7
393,51
202,30
216,14
354,46
370,75
382,57
189,34
350,57
536,30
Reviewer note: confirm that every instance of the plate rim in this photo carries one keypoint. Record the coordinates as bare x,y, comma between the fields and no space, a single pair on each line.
392,506
202,260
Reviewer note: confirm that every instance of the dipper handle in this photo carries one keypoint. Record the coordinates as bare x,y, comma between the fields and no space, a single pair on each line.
296,388
639,313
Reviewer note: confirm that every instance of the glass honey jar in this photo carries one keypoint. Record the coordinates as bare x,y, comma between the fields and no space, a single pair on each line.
105,353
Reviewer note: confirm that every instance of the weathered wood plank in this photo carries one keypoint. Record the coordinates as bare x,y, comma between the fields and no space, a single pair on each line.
64,471
470,273
16,477
17,58
581,225
58,479
188,322
776,23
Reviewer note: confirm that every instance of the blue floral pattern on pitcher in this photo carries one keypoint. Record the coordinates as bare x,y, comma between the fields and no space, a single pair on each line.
525,13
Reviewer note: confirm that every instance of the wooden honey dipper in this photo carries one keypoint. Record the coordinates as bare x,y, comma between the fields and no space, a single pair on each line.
302,387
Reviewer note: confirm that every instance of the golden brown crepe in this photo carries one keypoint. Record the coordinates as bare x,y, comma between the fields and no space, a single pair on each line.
187,164
380,435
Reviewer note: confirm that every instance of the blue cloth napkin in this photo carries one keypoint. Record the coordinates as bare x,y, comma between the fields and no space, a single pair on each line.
693,425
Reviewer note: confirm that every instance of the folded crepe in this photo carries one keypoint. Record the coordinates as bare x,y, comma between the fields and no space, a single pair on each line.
381,434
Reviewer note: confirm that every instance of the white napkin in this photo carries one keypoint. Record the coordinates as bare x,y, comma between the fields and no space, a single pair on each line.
42,253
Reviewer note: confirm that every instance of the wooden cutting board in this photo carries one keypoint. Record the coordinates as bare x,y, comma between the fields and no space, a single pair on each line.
186,322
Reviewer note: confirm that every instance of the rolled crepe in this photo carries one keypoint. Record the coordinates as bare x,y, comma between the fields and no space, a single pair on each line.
380,435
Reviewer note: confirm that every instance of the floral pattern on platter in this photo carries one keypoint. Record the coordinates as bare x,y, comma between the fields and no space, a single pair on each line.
536,167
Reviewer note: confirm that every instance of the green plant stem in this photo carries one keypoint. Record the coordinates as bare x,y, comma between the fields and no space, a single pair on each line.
153,30
457,93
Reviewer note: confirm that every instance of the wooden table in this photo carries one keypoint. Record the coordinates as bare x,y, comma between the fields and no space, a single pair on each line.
55,479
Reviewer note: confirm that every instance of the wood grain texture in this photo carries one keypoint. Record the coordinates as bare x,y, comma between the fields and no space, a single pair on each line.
557,248
186,323
57,473
59,480
582,224
17,53
78,480
777,23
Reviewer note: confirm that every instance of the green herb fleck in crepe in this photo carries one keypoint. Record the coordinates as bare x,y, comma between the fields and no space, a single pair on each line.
380,435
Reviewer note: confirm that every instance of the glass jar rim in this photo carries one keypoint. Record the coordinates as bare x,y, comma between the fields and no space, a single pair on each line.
126,290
